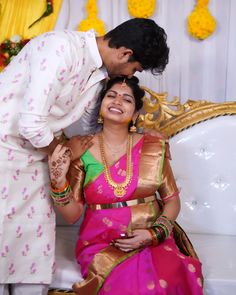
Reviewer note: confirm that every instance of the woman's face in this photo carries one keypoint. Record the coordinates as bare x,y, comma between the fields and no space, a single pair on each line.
118,104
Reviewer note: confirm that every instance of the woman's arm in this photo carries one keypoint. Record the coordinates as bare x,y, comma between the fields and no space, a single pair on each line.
61,193
72,211
168,190
171,207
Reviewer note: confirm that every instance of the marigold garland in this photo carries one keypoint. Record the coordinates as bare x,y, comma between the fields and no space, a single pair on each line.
141,8
10,48
92,22
201,24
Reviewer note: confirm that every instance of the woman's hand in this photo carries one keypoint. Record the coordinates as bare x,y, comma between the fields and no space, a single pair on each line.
138,239
59,163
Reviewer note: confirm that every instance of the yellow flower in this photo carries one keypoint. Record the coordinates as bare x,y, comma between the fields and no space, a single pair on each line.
141,8
201,24
92,23
202,3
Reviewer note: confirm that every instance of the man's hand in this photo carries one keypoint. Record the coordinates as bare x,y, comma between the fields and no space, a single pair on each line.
78,145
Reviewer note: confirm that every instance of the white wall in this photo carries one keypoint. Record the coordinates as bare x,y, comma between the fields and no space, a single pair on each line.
197,69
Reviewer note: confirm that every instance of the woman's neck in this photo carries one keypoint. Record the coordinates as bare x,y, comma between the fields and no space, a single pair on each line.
115,135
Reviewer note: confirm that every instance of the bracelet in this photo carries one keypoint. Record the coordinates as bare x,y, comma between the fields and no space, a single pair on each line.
58,190
61,194
61,197
62,204
160,234
154,237
166,223
163,229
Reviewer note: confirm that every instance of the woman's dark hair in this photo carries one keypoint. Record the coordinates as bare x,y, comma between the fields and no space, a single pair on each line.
146,39
134,86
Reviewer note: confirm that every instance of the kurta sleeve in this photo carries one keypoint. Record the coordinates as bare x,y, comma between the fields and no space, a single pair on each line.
168,188
48,64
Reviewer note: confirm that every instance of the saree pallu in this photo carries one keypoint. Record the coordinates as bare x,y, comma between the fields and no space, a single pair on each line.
154,270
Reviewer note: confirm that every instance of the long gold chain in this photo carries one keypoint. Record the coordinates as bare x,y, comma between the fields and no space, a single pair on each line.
119,188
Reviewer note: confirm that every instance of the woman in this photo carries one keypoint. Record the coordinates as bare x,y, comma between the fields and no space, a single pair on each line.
126,243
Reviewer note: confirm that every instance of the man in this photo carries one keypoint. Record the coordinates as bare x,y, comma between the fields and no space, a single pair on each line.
48,86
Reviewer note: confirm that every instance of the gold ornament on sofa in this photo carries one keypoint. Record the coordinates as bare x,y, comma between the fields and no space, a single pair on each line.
141,8
92,22
171,117
201,24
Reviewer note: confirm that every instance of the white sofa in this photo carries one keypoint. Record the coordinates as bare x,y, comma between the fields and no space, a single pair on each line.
204,164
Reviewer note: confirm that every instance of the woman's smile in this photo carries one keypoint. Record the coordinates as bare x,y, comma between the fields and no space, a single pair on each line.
115,110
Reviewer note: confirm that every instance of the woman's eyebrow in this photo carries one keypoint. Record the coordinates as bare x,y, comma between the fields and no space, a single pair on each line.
124,94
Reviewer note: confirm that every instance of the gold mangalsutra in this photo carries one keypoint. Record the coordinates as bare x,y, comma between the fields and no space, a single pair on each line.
119,188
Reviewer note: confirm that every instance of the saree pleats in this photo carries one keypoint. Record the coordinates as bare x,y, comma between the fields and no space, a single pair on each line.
101,266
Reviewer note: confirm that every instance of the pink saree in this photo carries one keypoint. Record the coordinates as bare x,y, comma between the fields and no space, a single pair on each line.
159,270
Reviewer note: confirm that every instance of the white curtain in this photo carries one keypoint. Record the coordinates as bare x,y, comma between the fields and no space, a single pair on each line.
196,69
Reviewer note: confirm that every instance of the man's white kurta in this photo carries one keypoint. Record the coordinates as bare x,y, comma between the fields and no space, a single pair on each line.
47,87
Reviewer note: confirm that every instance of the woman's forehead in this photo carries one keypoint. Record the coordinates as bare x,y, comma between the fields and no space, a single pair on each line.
121,88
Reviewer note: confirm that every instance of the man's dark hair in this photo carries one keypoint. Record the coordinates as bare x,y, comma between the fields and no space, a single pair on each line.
146,39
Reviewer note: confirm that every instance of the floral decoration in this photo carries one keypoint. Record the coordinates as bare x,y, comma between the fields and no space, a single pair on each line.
92,22
47,12
10,48
201,24
141,8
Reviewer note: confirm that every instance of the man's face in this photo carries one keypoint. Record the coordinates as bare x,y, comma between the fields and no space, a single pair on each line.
126,69
118,64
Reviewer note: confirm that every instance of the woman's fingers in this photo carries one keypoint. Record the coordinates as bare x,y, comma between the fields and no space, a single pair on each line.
140,238
61,151
56,151
126,243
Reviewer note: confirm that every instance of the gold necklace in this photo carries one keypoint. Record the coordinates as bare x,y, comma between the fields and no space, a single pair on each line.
119,188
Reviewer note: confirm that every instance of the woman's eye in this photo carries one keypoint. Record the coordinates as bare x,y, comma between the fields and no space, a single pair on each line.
129,100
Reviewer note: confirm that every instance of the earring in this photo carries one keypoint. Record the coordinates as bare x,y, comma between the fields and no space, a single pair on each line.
100,119
133,128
